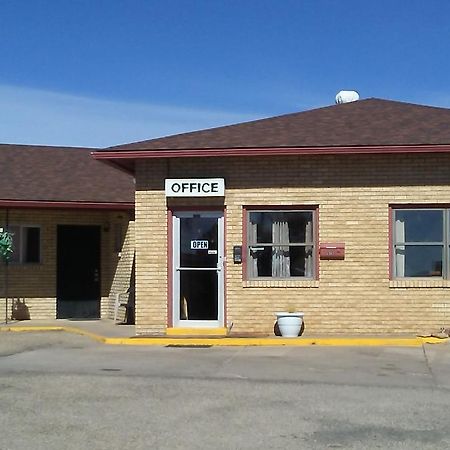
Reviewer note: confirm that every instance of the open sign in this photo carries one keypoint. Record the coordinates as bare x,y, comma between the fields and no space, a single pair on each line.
199,245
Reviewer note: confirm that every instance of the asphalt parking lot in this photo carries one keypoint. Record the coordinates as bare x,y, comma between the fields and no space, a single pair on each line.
66,391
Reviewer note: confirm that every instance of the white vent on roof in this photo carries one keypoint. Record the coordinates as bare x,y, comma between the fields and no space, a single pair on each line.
346,97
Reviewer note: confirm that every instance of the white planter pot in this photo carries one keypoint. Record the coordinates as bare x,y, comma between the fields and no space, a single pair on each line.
290,324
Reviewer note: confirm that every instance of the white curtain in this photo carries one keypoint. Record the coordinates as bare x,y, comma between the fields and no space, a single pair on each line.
253,261
399,249
309,249
281,261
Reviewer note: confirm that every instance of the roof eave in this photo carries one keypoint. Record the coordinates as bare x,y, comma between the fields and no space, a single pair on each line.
125,158
38,204
123,165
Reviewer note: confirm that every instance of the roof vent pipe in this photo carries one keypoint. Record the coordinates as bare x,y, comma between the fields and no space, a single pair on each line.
346,97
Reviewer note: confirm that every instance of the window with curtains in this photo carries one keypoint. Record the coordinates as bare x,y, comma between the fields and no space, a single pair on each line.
26,244
421,243
280,244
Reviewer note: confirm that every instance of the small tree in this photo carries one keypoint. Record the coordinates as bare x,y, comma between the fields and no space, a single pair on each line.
6,250
6,245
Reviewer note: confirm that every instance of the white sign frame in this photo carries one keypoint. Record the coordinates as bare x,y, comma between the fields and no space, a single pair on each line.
194,187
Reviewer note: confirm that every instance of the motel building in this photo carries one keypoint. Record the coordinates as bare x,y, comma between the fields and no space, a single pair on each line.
341,212
72,219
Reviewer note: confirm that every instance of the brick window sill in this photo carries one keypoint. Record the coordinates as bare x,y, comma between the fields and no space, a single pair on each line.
419,283
280,284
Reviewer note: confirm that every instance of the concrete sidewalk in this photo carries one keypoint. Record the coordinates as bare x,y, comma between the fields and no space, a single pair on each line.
100,327
108,332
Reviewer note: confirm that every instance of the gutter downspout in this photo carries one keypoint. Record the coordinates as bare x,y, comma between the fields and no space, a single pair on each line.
6,273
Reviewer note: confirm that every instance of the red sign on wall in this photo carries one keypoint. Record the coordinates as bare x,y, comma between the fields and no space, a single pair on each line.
332,251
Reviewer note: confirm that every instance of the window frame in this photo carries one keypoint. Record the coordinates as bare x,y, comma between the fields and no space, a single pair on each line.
314,209
445,241
22,228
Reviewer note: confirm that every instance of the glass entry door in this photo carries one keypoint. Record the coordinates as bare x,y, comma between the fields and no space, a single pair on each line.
198,278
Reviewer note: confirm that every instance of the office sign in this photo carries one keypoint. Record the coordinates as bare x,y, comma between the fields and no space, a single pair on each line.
195,187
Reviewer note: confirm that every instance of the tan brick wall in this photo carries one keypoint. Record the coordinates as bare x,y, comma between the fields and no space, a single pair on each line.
353,194
36,283
122,276
151,259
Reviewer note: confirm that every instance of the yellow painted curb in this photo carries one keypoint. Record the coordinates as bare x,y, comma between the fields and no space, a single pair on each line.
37,328
196,331
241,342
32,328
276,342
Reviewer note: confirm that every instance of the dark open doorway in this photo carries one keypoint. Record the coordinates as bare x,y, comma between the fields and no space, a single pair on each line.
78,272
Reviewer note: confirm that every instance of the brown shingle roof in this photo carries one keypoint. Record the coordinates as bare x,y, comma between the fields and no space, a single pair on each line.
370,122
62,174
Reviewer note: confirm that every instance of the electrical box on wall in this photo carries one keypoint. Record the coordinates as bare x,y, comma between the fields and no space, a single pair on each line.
237,254
332,251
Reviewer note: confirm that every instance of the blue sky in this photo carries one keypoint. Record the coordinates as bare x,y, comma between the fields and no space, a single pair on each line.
104,72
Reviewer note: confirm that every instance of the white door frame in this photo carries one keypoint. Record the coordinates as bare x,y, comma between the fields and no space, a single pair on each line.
176,269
